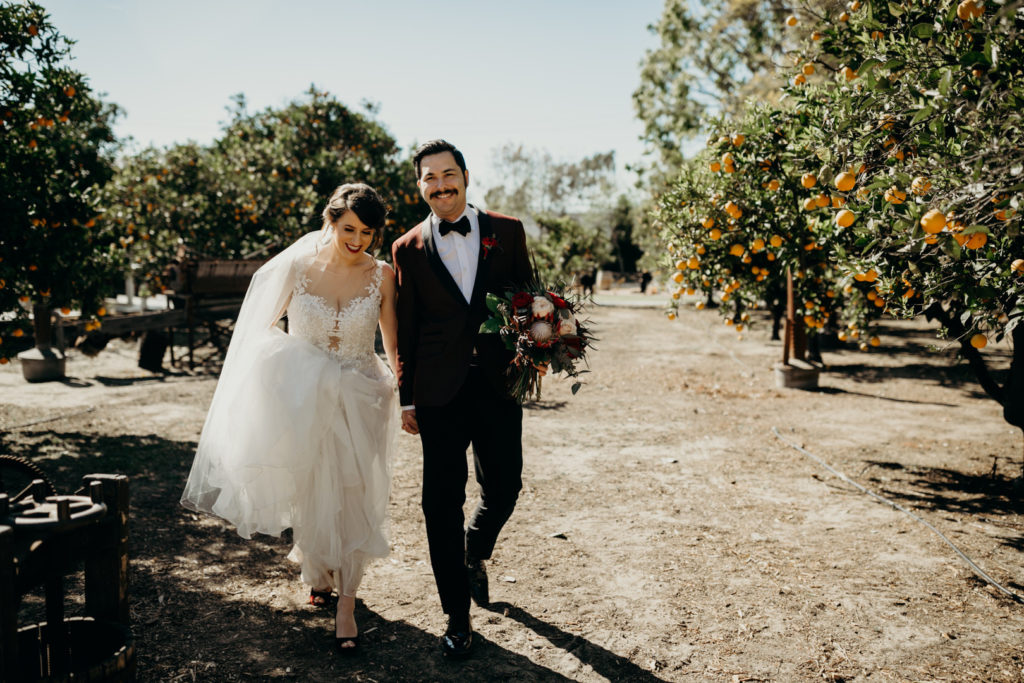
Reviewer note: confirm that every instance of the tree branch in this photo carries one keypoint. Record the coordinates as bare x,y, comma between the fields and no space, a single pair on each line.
957,330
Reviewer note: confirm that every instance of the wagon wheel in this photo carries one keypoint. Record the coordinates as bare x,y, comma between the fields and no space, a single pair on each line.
17,475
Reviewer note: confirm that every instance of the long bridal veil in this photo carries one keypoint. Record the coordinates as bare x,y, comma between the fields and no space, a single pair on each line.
295,438
223,461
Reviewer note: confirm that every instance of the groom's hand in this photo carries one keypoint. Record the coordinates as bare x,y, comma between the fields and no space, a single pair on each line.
409,423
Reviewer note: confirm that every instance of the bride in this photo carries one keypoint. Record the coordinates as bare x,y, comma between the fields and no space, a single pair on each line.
302,425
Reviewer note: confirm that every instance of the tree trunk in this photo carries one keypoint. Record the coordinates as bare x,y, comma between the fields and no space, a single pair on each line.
778,311
1013,391
42,363
796,337
43,326
974,358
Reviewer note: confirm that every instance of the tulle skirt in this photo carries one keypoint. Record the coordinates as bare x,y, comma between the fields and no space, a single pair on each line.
303,441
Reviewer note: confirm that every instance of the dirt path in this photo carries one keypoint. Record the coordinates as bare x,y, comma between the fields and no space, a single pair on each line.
664,532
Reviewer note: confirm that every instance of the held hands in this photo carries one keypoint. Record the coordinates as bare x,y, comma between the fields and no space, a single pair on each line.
409,423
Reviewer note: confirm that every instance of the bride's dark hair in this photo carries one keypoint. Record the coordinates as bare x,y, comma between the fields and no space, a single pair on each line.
364,202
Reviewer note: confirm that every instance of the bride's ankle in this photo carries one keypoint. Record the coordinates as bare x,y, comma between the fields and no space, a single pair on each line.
345,625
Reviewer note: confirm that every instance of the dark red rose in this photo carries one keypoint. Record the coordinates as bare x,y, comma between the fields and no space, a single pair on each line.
558,301
521,300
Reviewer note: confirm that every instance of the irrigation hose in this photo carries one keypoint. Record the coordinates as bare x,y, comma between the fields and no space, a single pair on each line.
46,419
1016,597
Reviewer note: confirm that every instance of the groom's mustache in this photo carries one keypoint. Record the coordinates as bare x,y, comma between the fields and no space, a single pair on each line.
434,195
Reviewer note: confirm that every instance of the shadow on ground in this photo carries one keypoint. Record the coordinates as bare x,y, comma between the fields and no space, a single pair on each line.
958,376
202,598
604,662
837,390
996,493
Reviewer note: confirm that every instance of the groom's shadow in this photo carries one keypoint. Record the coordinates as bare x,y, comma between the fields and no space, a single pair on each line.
604,662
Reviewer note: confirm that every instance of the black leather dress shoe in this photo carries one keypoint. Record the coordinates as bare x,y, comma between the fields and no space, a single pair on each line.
457,641
476,572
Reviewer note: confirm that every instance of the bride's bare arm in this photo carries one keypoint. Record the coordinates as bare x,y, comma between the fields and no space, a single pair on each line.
282,310
389,319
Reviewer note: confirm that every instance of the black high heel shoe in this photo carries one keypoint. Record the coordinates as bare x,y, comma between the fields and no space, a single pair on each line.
322,599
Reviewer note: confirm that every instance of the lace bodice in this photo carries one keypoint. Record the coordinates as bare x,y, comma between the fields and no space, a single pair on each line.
346,334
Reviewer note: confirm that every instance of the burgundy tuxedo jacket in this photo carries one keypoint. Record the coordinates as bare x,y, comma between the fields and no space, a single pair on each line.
437,327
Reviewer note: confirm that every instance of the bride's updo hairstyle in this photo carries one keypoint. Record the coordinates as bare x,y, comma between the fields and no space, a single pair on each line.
364,202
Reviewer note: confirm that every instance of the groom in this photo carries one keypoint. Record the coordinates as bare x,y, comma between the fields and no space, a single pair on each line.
452,381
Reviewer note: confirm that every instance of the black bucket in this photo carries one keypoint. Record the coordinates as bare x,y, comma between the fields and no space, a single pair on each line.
99,651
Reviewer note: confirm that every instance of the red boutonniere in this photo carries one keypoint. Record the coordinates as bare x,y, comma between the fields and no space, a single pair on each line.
488,243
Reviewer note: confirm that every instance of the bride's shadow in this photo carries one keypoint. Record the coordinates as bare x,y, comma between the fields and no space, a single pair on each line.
604,662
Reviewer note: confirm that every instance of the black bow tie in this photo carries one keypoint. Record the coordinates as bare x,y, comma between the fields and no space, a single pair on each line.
460,226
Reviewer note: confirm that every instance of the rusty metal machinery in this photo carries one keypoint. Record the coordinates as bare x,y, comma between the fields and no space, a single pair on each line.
43,538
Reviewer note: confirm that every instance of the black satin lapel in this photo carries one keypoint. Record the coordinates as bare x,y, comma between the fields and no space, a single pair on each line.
437,265
483,260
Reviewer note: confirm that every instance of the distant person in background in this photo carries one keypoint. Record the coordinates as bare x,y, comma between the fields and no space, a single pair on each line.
588,280
645,280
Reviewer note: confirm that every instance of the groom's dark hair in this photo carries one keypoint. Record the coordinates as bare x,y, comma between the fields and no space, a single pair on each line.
436,147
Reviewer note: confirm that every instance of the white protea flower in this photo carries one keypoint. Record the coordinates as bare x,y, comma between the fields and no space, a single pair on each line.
542,307
541,331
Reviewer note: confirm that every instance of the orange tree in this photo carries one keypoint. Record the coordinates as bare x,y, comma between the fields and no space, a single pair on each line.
55,248
565,248
258,187
747,210
922,127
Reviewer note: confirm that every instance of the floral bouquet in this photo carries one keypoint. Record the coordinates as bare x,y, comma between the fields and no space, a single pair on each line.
543,330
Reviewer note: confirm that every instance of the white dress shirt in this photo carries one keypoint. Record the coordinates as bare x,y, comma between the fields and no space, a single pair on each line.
458,252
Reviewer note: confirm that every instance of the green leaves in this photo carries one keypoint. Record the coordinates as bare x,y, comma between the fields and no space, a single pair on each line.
945,81
936,98
58,146
971,58
261,185
923,31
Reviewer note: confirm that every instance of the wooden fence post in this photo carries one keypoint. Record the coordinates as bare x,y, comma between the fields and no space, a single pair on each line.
8,604
106,569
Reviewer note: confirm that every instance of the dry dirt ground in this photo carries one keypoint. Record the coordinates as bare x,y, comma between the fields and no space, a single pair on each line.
664,531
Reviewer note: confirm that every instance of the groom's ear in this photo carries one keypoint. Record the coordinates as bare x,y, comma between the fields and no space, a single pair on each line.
465,174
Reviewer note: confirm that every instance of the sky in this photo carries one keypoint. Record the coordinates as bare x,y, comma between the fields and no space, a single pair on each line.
553,75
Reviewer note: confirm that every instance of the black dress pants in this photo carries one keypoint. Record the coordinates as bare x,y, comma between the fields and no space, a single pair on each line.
493,424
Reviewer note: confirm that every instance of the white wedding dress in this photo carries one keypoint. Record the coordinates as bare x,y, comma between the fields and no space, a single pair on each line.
302,427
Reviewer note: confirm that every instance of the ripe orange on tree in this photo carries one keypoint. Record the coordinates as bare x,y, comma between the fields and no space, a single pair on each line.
845,181
970,9
933,221
895,195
